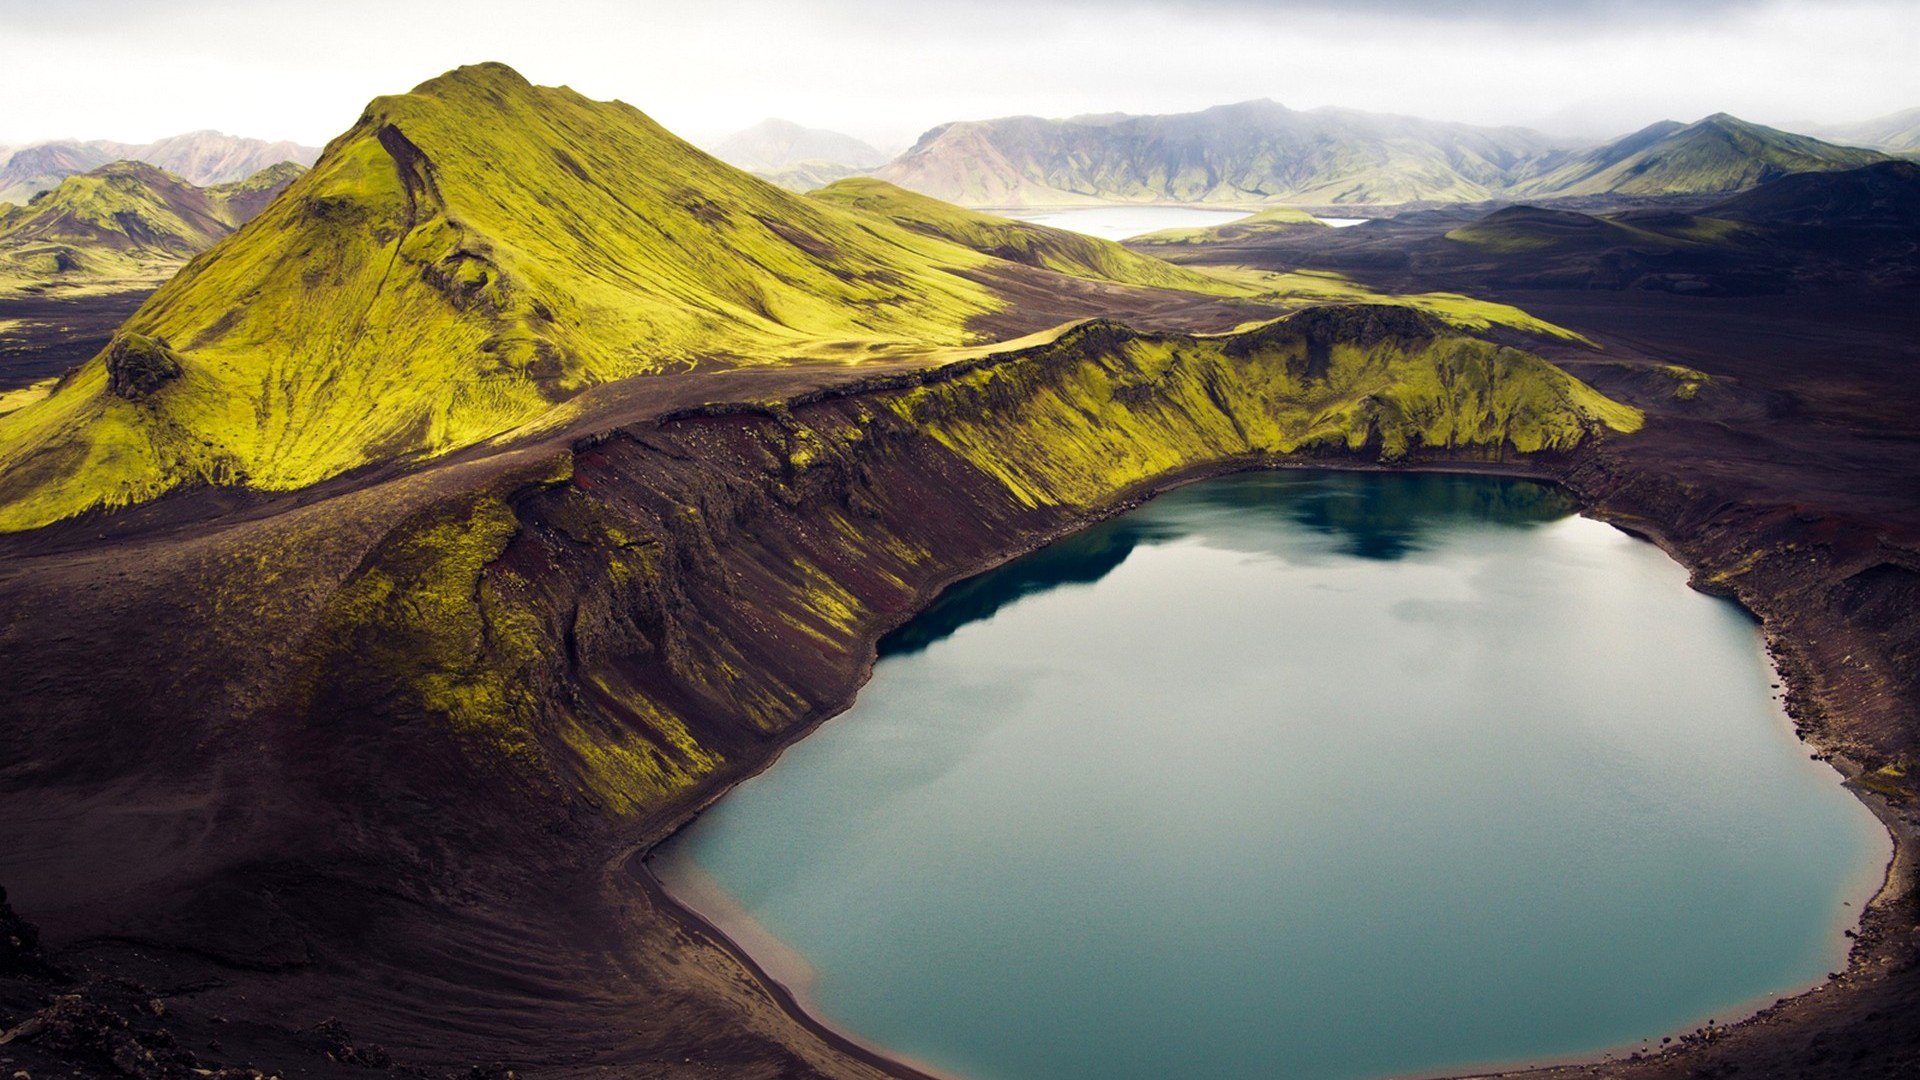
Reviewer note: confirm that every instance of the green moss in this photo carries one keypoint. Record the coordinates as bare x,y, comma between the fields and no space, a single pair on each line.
1055,429
1303,287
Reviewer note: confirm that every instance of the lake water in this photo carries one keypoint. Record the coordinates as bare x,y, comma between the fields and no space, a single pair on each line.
1303,774
1125,222
1121,222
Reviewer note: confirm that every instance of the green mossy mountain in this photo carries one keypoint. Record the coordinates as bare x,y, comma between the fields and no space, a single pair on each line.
465,258
1721,153
127,223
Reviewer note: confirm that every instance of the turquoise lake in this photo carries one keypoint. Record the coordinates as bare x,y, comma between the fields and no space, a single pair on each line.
1298,774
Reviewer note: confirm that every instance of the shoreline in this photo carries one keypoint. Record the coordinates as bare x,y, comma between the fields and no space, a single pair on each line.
1895,877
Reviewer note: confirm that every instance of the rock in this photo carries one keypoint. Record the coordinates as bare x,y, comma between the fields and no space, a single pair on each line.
138,365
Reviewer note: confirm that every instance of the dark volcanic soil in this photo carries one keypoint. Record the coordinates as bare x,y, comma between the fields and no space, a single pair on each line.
245,846
53,335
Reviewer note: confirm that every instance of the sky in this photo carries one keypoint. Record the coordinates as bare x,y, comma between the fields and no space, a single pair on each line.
886,70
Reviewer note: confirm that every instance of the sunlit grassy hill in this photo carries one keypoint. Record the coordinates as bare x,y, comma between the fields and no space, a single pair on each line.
126,223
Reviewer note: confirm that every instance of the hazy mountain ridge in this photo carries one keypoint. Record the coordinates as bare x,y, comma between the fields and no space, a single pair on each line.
775,144
1895,133
200,157
1250,152
1260,152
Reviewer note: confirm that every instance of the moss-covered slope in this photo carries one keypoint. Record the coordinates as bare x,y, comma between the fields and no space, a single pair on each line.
464,257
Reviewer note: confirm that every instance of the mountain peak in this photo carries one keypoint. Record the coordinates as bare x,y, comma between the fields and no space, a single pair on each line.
462,259
488,74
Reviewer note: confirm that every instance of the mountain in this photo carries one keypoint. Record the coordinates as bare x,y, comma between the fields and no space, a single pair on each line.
775,144
201,157
465,258
209,157
125,223
1885,195
1016,241
808,175
1718,154
1252,152
30,170
242,199
1895,133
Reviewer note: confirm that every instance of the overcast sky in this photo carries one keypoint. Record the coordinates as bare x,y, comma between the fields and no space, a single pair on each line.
887,69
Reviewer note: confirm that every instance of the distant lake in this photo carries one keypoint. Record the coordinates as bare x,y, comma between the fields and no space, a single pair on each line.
1314,775
1126,222
1121,222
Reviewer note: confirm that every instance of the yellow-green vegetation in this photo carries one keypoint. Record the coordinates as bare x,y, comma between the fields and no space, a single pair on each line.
1889,780
1687,381
1304,287
474,253
464,257
1338,379
1264,223
123,225
1017,241
21,396
430,619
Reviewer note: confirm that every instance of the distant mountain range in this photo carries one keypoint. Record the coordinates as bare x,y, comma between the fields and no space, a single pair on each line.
795,157
200,157
1721,153
1896,133
1263,152
125,224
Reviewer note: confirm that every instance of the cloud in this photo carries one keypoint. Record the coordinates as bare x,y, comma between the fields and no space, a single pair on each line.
886,70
